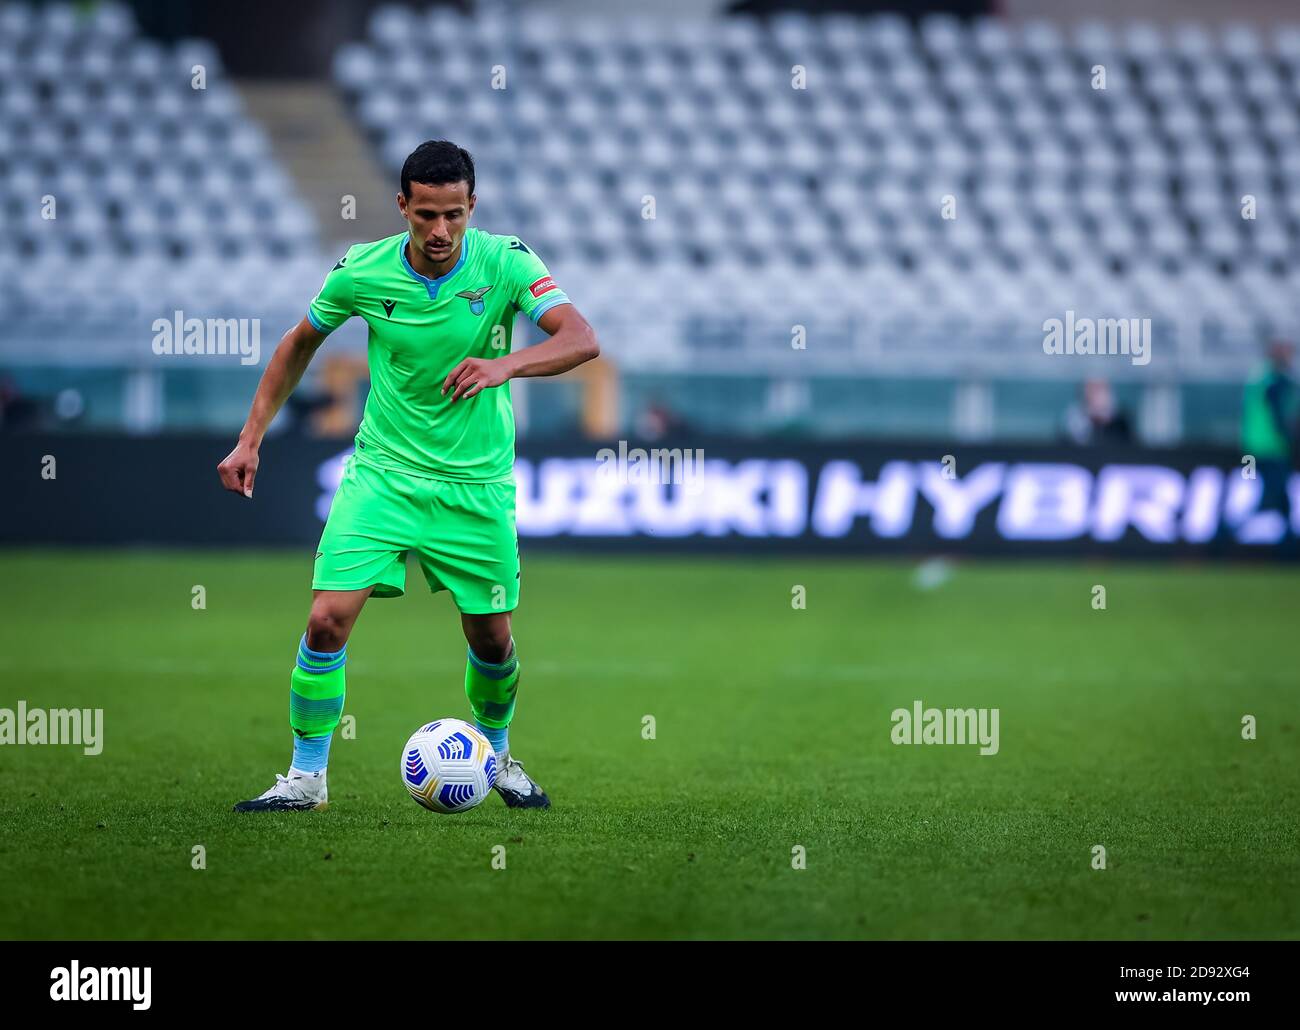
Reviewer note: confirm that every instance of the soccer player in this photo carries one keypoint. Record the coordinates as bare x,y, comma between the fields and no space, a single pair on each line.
1268,431
432,470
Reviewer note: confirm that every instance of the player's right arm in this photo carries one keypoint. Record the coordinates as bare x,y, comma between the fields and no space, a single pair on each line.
331,308
283,371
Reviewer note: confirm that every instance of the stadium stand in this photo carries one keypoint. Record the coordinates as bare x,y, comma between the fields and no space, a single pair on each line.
162,194
132,186
822,206
1120,199
774,207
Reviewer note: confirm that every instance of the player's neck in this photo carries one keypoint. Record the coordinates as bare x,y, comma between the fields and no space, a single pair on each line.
432,269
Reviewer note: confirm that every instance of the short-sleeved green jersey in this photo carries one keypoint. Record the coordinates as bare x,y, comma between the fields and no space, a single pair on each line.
420,329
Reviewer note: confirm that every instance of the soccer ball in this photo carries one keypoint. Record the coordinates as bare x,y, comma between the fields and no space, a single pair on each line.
448,766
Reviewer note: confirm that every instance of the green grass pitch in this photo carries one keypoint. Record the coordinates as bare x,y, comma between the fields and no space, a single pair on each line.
1119,727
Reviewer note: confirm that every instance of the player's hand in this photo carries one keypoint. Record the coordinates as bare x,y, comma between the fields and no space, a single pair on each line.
239,469
473,375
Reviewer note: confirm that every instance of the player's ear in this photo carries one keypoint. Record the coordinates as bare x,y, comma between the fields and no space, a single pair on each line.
401,203
470,210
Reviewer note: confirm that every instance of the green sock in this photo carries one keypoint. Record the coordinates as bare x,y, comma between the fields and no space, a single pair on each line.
316,691
491,691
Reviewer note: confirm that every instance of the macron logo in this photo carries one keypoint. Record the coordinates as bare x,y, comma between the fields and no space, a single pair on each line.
541,286
72,983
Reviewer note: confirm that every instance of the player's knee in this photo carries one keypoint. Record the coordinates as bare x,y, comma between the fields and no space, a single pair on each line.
327,629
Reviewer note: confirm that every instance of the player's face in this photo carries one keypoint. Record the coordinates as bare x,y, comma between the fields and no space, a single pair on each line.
438,217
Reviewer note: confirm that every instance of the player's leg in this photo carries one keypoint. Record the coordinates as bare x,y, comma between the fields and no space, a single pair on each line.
317,688
492,684
472,550
1290,548
318,683
1275,474
362,554
491,675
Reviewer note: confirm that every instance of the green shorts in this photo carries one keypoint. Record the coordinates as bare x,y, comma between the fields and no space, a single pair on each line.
463,534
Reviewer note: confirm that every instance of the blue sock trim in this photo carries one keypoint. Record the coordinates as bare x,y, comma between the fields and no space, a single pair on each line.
495,672
499,738
321,668
320,656
311,754
336,659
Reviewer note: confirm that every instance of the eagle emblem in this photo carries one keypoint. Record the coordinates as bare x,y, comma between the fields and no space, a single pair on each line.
475,298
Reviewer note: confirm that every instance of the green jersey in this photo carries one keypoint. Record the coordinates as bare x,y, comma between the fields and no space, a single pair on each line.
1268,414
420,329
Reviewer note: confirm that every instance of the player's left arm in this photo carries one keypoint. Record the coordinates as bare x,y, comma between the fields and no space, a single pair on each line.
572,341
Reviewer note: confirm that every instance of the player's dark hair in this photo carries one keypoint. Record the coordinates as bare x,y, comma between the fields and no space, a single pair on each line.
437,162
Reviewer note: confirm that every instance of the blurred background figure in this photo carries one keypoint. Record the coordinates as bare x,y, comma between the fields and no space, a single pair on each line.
1269,425
15,410
659,420
1096,418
